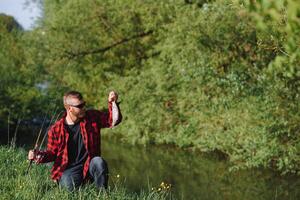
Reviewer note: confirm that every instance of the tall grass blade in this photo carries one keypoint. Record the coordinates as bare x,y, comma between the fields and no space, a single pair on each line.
8,127
13,142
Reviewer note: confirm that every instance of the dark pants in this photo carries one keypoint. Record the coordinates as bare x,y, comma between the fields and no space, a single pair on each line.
98,171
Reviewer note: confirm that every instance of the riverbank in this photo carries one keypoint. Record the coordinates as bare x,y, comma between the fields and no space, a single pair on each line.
15,184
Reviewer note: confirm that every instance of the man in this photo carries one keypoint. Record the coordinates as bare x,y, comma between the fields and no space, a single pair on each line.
74,142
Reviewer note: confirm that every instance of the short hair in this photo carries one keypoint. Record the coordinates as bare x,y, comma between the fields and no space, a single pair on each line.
73,94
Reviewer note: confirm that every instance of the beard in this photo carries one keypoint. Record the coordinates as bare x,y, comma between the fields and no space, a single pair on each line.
81,115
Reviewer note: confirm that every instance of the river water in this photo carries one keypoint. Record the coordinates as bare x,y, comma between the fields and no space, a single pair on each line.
190,175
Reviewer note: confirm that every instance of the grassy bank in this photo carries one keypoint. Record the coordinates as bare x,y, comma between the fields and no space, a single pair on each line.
15,184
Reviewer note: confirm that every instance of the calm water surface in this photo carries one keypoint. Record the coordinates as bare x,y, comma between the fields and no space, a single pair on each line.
191,175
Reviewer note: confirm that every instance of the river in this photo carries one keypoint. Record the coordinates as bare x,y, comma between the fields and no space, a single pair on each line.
192,175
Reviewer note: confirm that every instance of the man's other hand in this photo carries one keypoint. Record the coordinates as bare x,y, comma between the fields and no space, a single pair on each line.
31,154
113,96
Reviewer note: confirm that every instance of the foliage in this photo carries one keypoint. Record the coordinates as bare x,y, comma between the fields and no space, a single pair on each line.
284,73
19,96
105,38
9,23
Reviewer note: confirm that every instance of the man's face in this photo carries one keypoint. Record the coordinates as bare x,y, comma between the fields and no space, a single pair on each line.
76,107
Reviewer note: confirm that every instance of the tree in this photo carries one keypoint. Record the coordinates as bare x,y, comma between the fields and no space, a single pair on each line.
19,94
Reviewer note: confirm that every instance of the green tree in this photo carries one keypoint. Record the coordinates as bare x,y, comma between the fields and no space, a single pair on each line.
105,38
20,95
284,74
200,74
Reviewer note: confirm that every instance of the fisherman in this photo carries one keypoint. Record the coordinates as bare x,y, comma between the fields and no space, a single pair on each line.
74,143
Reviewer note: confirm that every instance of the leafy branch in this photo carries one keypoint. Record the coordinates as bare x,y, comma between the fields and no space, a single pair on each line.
72,55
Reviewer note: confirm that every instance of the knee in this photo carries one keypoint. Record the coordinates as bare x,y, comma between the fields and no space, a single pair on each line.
68,182
99,163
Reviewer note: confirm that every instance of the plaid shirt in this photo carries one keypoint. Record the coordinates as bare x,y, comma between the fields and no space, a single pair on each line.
58,136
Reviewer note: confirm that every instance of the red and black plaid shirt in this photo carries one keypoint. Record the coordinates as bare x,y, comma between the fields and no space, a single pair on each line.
58,136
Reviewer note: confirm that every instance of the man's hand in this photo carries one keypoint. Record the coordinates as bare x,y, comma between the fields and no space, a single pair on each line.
113,96
31,154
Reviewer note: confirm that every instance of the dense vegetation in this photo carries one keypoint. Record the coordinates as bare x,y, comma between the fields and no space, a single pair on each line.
211,75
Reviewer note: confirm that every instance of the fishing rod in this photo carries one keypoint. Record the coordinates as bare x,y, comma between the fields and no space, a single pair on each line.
43,139
46,130
36,143
37,146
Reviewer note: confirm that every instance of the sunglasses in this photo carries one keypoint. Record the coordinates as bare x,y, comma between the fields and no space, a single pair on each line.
80,106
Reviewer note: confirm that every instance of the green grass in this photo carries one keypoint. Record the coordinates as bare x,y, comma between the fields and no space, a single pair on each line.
16,184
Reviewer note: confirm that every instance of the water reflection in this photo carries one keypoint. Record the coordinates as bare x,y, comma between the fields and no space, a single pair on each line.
192,176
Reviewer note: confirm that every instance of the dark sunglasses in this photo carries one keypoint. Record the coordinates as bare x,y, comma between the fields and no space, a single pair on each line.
80,106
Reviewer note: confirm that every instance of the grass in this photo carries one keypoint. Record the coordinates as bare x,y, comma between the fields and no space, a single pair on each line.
16,184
